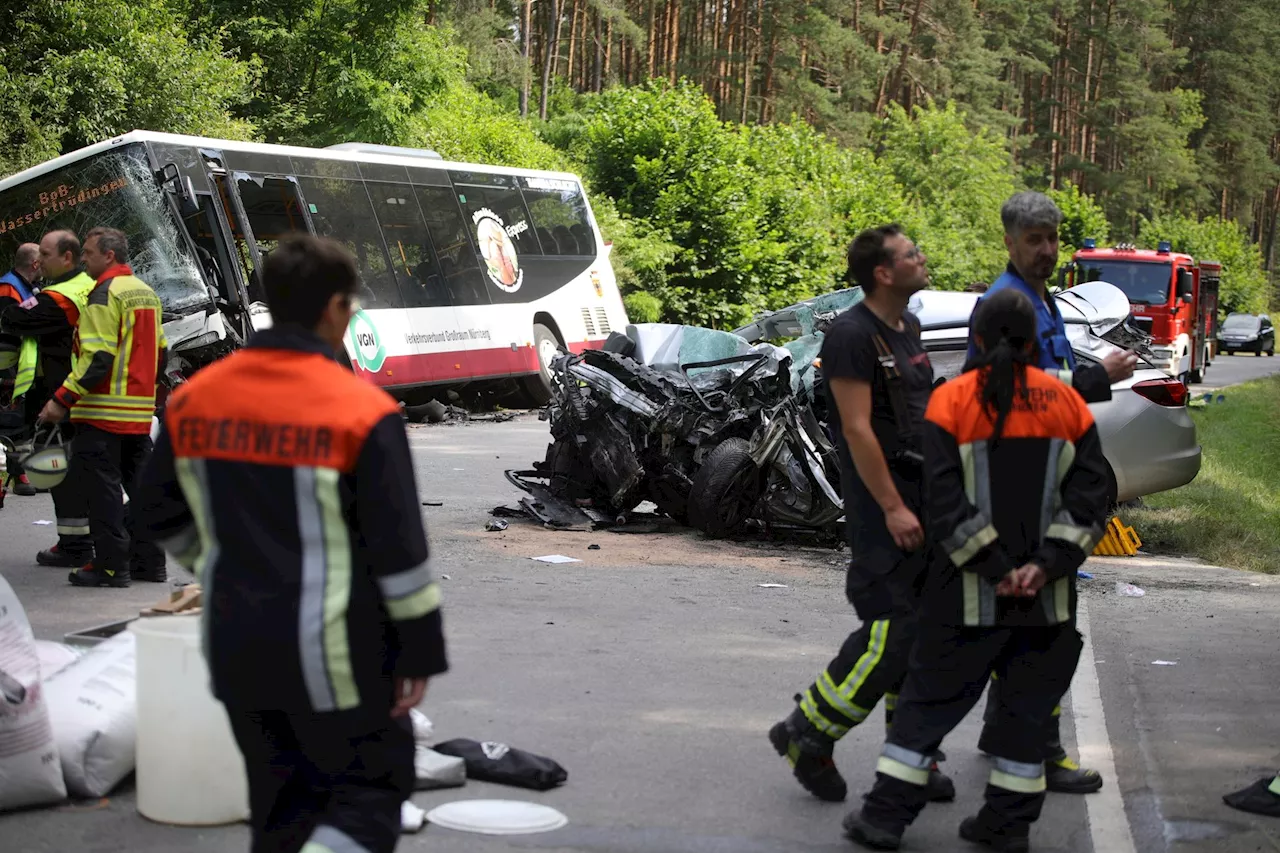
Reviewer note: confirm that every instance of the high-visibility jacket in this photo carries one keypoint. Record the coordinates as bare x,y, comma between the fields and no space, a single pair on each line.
1035,495
286,484
119,345
47,329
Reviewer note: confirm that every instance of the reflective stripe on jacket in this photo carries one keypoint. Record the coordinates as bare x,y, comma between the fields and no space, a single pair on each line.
117,356
71,296
1036,495
286,484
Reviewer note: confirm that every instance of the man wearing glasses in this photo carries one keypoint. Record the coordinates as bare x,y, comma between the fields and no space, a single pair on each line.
878,379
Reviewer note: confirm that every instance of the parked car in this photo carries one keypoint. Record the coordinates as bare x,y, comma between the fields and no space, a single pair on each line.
1247,333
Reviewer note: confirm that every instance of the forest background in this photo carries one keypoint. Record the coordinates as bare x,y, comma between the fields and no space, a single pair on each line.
731,148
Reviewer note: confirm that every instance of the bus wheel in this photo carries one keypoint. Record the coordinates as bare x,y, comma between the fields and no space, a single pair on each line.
536,388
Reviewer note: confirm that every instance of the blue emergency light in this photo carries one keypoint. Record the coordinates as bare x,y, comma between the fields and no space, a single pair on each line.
1090,243
1165,247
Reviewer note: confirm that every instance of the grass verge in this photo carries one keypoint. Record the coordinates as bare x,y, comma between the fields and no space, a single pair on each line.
1229,514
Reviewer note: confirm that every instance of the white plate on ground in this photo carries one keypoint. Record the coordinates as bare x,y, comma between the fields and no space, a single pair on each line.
497,817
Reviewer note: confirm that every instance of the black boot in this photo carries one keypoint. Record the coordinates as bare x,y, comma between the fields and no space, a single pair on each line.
860,831
1259,798
974,830
809,753
940,787
91,575
59,557
1064,776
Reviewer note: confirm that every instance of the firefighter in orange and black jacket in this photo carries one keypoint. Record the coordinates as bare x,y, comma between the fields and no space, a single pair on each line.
1001,595
285,482
110,398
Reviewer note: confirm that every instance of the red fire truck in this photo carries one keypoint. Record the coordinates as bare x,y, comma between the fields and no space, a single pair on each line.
1172,297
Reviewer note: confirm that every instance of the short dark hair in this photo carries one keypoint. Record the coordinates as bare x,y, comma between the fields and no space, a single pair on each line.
866,252
302,275
26,255
110,240
68,242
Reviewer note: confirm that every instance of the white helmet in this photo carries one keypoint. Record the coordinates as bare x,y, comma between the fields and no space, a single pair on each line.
46,467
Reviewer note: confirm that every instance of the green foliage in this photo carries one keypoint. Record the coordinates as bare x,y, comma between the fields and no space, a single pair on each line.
1244,285
1082,217
643,307
955,180
77,72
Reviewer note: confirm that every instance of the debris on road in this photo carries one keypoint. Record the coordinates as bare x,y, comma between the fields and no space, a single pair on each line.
556,558
1083,575
593,547
1129,590
433,503
1164,663
495,524
42,522
772,585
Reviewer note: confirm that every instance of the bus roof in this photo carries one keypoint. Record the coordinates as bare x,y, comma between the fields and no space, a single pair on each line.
267,148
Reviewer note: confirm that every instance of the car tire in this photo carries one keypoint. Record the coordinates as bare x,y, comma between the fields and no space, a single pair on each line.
725,489
536,388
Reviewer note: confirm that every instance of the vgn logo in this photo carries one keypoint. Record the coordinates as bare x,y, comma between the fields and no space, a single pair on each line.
370,353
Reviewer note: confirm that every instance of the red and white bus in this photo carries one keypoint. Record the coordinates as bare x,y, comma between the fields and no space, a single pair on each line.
468,272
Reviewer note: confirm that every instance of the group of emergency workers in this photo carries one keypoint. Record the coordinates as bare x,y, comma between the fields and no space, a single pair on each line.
970,505
82,340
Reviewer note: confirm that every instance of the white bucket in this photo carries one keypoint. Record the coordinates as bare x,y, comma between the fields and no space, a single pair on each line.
190,771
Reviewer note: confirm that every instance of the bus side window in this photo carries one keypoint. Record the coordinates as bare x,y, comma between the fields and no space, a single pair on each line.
560,218
412,260
507,204
456,257
341,209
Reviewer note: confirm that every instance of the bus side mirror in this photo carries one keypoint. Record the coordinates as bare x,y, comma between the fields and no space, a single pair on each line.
1185,285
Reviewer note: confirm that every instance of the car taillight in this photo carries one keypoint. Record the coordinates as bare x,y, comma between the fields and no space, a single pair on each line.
1163,392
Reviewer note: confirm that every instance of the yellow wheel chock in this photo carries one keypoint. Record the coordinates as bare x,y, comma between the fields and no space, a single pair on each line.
1119,541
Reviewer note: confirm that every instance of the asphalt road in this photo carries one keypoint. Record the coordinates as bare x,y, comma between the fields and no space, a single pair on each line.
652,669
1234,369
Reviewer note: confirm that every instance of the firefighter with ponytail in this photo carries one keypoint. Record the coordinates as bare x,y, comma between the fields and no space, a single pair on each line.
1015,497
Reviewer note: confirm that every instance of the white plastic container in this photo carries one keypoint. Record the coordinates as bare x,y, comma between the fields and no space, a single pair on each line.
190,771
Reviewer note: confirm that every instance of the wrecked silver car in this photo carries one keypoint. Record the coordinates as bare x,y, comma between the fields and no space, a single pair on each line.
716,430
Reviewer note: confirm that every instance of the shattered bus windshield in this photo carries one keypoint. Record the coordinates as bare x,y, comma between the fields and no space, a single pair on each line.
114,189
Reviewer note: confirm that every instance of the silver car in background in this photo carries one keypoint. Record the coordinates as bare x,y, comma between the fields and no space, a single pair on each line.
1147,433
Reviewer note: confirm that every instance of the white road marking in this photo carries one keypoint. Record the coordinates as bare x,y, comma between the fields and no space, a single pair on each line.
1108,823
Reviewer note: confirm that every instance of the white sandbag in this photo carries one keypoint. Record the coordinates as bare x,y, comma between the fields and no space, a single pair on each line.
54,657
422,728
434,770
30,773
412,818
94,709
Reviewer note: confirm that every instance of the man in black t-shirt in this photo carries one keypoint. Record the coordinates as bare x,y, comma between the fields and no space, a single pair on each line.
878,380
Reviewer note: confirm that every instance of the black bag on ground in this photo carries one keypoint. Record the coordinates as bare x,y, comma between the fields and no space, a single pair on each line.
497,762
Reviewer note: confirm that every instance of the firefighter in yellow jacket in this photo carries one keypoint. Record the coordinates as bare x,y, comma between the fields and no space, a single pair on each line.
46,325
111,397
1015,497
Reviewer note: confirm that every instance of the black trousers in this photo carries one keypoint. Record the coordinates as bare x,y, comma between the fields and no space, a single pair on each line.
337,779
71,507
102,464
872,664
950,667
